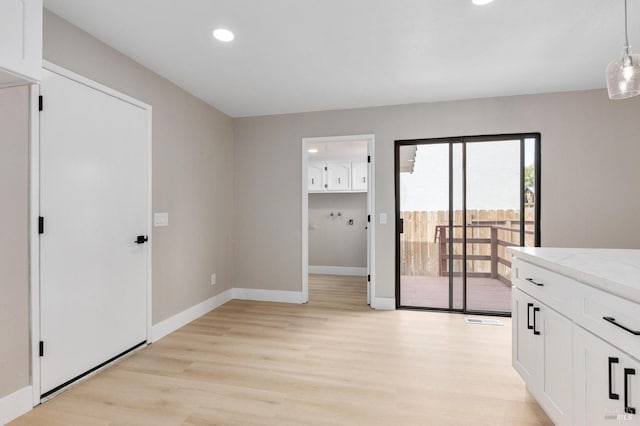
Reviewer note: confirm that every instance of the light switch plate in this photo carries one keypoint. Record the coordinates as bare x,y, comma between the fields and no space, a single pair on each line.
383,218
160,219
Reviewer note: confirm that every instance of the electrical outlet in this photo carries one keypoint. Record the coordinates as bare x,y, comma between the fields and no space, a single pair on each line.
213,279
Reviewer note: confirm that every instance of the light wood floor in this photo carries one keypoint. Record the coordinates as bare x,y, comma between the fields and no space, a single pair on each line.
330,362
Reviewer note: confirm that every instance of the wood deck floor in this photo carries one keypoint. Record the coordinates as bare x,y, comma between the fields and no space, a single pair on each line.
332,361
483,294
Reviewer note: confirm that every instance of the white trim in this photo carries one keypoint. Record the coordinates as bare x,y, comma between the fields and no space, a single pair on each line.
16,404
337,270
64,72
371,246
260,295
150,228
183,318
370,206
383,303
304,164
34,186
34,240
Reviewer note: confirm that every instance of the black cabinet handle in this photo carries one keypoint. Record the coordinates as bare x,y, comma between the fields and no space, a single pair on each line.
628,372
613,321
141,239
612,360
532,281
529,306
536,332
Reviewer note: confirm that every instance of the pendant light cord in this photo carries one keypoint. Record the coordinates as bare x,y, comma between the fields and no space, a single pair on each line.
626,31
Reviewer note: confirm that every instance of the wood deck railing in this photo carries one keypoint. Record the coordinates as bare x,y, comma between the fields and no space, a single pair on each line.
489,233
442,239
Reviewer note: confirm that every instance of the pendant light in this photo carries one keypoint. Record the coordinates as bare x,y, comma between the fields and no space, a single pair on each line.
623,74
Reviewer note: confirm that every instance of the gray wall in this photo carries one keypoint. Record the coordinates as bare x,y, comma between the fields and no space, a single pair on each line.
192,169
14,239
332,242
590,176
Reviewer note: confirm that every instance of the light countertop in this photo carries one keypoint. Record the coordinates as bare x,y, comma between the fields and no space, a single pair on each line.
616,271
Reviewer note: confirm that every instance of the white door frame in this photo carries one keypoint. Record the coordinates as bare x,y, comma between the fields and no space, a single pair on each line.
370,209
34,184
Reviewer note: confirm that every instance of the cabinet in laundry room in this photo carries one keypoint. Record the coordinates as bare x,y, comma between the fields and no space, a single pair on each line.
20,42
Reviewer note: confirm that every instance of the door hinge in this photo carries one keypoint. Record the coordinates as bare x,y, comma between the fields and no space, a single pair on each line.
41,348
368,218
401,226
368,158
368,278
40,103
40,225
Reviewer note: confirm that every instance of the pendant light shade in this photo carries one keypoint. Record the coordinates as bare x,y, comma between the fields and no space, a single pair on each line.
623,76
623,73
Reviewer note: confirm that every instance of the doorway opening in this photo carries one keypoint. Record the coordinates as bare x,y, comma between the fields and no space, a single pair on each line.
337,206
460,202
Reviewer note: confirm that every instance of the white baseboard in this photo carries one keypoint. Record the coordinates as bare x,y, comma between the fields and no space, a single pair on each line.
171,324
16,404
383,303
337,270
280,296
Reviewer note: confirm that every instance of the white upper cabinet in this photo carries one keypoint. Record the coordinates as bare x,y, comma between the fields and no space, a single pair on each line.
359,178
20,42
339,176
315,177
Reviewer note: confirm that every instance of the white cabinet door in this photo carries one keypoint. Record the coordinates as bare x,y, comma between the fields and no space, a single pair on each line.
359,172
338,176
524,353
20,42
555,359
542,354
606,390
316,177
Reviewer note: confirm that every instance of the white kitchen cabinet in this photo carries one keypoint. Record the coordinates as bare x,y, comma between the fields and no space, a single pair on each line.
607,382
339,176
524,353
359,176
542,356
584,365
316,177
20,42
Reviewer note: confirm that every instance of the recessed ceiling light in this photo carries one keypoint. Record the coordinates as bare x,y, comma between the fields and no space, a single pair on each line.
481,2
313,151
223,35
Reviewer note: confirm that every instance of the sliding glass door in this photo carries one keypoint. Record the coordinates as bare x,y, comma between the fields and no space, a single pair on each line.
460,203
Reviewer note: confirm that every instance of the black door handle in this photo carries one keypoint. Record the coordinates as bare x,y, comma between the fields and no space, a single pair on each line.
141,239
536,332
529,306
628,372
612,360
613,321
400,226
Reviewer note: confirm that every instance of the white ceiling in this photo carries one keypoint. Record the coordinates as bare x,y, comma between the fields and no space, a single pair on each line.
310,55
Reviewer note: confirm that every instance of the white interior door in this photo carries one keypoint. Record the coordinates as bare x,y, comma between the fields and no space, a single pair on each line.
95,201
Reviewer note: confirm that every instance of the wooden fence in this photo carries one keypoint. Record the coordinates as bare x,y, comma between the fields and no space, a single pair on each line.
424,242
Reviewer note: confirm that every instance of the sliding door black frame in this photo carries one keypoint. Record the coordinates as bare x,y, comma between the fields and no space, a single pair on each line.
463,140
